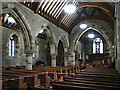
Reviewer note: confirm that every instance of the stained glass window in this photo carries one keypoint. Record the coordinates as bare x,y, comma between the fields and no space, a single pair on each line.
97,46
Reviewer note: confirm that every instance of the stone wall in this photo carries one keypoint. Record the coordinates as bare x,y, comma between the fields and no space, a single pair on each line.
0,55
34,23
18,58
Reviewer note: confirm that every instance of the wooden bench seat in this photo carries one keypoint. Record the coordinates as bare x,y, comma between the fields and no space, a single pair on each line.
59,69
93,82
13,84
57,86
95,79
31,81
97,76
98,73
97,86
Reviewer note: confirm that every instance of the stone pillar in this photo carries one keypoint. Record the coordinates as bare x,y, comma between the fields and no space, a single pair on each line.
71,58
0,57
117,36
0,48
29,55
111,51
65,59
53,56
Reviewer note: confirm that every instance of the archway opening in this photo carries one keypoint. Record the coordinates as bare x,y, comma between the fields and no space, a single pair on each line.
60,56
94,47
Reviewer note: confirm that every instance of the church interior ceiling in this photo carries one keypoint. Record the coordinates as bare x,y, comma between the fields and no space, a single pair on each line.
53,11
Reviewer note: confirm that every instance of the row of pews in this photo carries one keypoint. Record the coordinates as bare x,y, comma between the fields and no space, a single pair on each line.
93,78
41,77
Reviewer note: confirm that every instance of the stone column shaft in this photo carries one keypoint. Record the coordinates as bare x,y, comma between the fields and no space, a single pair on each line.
66,59
29,55
71,59
53,60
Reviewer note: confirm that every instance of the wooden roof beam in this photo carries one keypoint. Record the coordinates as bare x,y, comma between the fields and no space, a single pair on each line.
37,7
45,7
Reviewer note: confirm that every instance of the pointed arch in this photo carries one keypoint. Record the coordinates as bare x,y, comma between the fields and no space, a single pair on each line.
103,30
27,37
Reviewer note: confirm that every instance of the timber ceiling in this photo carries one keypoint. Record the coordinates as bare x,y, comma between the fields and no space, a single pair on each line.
53,11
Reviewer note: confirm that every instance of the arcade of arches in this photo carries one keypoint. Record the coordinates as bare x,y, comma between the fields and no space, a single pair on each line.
28,37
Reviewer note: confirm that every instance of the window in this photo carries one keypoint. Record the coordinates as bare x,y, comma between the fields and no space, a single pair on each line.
97,46
12,45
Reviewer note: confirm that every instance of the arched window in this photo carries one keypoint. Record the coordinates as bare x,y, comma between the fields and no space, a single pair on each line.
97,46
12,45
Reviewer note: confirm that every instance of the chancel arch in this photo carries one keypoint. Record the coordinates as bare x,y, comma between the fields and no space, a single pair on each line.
79,32
98,28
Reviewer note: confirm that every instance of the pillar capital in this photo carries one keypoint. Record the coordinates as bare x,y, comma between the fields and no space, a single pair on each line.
29,59
53,54
29,52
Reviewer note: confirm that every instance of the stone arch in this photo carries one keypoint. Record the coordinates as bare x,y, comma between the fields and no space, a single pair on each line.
100,26
16,13
78,33
65,42
50,40
102,33
50,37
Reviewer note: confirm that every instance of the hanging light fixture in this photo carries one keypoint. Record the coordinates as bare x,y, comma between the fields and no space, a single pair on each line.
91,35
70,8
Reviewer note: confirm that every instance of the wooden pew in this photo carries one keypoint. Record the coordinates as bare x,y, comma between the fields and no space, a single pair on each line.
53,75
45,80
100,78
13,84
31,81
72,85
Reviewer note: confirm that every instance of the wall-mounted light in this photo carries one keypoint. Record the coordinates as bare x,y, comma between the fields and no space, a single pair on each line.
70,8
83,26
